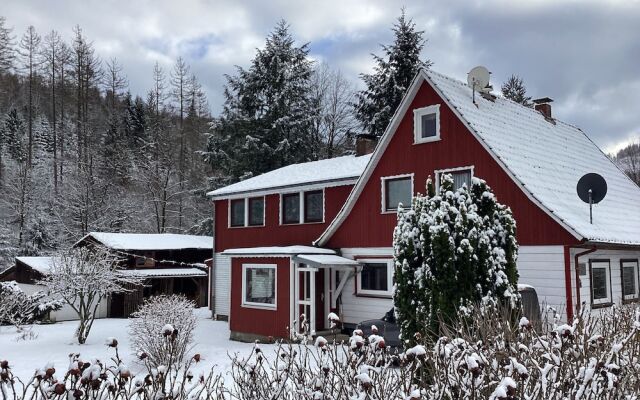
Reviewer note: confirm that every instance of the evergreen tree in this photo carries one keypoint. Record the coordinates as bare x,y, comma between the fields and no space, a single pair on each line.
392,76
6,47
267,113
14,134
451,250
514,89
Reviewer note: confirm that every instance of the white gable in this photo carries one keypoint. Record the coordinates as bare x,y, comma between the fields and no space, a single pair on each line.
546,160
347,168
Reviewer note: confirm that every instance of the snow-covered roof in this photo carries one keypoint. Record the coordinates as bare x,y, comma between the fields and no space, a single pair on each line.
278,250
548,159
341,170
326,259
150,241
40,264
545,159
164,272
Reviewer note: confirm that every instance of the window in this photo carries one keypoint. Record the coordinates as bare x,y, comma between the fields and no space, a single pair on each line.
629,271
256,211
302,207
146,260
375,277
600,282
460,176
237,212
313,206
426,124
246,212
291,208
396,191
259,285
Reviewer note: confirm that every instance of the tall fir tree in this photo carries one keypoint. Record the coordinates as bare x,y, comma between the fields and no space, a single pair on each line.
452,249
6,47
267,115
514,89
393,73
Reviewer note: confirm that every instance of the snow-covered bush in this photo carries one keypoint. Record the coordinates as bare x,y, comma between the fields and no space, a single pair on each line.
162,317
83,278
18,308
452,249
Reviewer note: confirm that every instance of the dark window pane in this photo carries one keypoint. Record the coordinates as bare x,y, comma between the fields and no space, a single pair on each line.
237,212
397,191
260,285
428,123
256,211
313,206
599,283
374,277
291,208
629,279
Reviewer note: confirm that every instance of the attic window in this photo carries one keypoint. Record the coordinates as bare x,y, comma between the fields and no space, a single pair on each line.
426,124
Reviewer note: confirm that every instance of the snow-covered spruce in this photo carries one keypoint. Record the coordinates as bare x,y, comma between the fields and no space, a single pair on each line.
452,249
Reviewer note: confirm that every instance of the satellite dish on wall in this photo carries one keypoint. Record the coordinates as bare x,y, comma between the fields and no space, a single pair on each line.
591,188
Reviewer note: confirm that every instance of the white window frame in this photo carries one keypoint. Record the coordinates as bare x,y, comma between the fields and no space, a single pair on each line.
383,200
378,293
246,212
439,172
623,264
300,194
606,265
418,113
250,304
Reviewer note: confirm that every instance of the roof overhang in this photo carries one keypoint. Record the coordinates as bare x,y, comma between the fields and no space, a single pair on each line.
165,273
283,188
272,251
325,260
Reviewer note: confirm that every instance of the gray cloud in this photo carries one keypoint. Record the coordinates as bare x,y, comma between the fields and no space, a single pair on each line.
584,54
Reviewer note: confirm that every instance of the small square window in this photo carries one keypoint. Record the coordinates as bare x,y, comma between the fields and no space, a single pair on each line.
237,212
291,208
313,206
397,191
256,211
426,124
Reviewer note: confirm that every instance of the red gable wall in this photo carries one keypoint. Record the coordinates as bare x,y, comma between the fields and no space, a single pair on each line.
365,226
274,234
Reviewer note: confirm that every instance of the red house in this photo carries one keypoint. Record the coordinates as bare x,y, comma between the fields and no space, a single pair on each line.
315,238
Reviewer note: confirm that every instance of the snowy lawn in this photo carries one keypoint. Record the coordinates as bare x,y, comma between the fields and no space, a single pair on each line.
55,342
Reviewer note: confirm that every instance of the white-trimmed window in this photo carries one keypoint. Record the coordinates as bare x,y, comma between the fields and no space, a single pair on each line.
375,278
629,275
302,207
246,212
396,190
426,124
600,282
461,176
259,285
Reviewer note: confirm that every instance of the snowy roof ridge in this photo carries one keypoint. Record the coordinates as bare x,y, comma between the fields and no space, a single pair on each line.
150,241
345,169
550,167
42,264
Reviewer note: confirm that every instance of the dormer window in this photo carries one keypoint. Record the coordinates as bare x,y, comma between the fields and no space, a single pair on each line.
426,124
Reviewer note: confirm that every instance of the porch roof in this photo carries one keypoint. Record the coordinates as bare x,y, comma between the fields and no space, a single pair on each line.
322,260
165,272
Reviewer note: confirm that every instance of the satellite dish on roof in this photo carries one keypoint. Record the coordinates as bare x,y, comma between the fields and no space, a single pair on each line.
478,79
591,188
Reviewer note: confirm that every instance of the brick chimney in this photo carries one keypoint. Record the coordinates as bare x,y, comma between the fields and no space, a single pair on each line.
365,144
544,106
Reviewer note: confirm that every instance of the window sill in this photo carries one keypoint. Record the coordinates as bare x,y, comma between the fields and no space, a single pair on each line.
247,226
259,307
301,223
427,140
375,295
601,305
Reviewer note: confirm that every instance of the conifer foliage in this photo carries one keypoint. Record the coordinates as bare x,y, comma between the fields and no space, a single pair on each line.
514,89
268,111
452,249
393,73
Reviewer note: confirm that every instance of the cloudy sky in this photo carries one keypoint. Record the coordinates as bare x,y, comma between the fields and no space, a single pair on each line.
583,54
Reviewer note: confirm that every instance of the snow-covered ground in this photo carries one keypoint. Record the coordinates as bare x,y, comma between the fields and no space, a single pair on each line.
55,342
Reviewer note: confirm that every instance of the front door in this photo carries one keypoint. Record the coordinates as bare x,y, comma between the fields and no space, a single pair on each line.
305,299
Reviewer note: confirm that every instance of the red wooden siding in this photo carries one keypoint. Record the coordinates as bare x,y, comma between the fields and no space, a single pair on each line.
274,234
365,226
257,321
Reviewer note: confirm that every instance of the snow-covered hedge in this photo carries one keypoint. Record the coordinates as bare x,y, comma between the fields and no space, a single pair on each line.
597,356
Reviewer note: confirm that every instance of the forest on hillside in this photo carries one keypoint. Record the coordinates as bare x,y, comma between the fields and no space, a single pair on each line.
79,152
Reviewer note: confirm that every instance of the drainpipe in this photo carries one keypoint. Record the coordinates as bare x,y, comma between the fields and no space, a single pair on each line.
577,270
